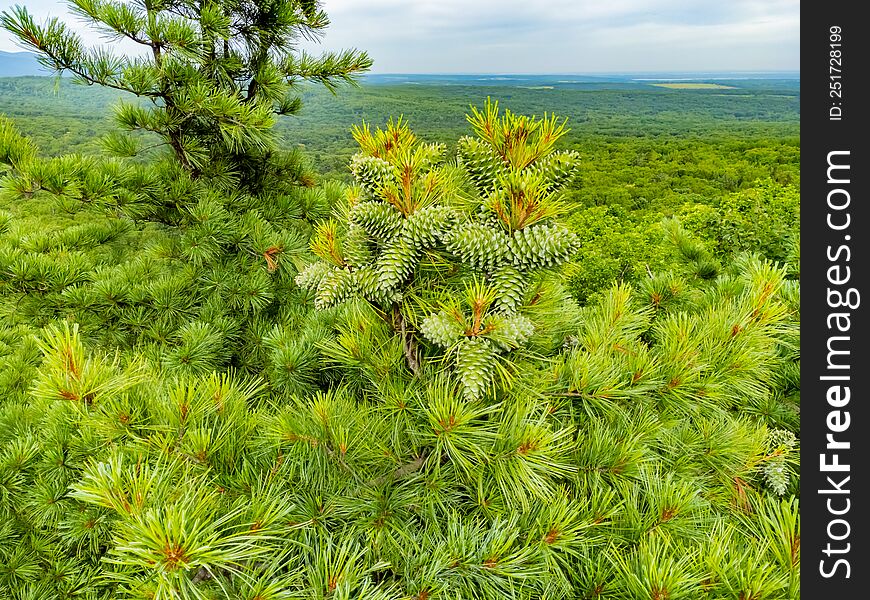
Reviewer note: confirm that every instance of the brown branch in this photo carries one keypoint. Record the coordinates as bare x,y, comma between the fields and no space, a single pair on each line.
201,575
338,458
409,344
403,471
93,81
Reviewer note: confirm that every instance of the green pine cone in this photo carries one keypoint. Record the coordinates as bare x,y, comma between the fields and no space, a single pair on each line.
776,475
368,286
442,329
475,364
357,249
776,472
379,220
510,286
336,287
481,163
558,169
396,263
367,282
780,438
311,276
428,226
542,246
487,218
372,173
511,331
478,245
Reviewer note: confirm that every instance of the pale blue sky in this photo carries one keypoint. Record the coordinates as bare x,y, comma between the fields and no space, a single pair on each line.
551,36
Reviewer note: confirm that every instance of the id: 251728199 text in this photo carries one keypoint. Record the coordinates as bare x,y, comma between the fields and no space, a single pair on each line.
835,73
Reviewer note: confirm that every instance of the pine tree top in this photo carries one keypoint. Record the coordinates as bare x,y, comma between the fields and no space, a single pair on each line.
212,74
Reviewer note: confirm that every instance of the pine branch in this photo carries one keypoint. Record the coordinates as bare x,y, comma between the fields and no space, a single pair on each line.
61,50
329,70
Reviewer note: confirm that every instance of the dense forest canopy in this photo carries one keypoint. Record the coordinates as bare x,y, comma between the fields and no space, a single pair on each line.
405,341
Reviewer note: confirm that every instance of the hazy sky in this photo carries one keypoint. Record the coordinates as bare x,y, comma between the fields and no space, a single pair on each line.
552,36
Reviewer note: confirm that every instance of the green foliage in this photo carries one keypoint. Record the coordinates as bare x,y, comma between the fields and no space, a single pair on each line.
187,292
763,219
614,248
623,467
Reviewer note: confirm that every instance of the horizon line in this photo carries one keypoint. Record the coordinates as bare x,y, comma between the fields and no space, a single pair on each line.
576,73
554,73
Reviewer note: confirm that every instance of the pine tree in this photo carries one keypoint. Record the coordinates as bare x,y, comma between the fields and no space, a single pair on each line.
197,155
212,77
460,272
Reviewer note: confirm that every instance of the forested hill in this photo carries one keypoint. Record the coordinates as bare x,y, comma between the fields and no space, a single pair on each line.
64,117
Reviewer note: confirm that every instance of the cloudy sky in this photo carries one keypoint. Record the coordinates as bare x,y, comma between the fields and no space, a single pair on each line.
552,36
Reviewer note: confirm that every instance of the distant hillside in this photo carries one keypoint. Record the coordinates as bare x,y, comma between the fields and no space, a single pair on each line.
19,64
